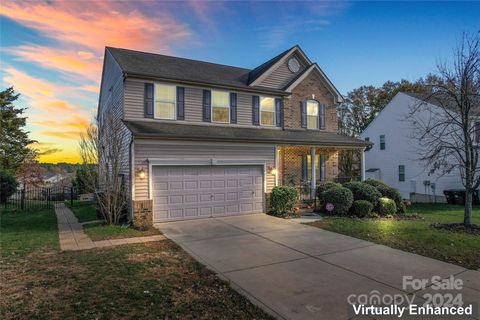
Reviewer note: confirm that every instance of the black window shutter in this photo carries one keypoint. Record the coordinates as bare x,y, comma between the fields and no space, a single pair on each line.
321,116
256,110
180,103
233,107
303,112
278,112
148,100
207,102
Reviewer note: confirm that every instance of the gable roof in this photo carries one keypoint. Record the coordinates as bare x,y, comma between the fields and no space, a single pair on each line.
169,68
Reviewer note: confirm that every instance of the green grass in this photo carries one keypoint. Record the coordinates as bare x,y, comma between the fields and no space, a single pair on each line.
102,231
84,212
155,280
22,232
416,235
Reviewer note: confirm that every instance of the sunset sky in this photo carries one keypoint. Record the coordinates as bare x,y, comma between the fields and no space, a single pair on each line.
51,51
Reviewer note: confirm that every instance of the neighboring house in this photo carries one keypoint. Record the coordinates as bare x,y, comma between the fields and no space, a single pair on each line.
393,158
206,139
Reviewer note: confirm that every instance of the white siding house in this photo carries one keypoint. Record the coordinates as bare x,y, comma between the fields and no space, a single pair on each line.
393,158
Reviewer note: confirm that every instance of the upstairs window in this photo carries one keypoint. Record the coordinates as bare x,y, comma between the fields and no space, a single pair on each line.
312,114
401,172
220,106
165,101
476,138
267,111
382,142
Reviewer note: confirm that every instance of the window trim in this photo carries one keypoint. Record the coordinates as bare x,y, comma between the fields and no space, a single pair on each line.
400,173
228,107
318,114
260,112
155,100
384,142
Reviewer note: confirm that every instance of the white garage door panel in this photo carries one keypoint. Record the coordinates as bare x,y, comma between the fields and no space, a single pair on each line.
186,192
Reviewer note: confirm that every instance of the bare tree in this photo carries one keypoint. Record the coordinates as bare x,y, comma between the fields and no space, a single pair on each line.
102,152
446,122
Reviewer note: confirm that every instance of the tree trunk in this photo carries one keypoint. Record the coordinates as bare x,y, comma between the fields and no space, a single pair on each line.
467,218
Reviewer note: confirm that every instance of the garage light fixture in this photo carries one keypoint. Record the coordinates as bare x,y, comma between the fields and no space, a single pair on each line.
141,173
272,170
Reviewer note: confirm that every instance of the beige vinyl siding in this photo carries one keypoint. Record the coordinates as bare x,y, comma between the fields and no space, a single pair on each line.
111,102
134,91
280,77
151,149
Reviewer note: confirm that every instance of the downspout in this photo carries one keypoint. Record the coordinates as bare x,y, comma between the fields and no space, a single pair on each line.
363,164
132,176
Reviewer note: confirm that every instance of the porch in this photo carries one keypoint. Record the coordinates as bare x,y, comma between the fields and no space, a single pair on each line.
304,167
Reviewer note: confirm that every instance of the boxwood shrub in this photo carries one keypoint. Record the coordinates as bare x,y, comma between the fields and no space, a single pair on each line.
386,206
283,200
340,197
324,186
363,191
361,208
388,192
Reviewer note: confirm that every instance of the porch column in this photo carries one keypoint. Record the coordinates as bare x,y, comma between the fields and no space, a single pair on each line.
362,164
313,181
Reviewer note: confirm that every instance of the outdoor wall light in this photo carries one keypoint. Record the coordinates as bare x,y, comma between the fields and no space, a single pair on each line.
141,173
272,170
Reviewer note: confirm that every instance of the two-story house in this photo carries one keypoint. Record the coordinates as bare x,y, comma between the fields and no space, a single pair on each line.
207,139
394,156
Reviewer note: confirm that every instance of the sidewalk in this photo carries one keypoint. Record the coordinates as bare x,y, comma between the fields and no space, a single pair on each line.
72,236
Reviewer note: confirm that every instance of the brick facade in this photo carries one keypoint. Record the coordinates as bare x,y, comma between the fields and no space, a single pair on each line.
313,84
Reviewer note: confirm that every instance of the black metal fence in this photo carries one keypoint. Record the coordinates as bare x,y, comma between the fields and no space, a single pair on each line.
31,198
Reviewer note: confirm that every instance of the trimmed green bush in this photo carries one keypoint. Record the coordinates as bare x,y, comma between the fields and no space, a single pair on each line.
363,191
340,197
324,186
361,208
8,185
283,200
386,207
388,192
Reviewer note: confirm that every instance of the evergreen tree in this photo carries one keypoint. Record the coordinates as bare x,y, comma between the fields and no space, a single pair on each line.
14,139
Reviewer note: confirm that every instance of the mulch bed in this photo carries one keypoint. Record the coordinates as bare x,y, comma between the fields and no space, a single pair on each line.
458,227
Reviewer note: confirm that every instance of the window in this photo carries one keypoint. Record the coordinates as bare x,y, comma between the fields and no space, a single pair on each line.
401,172
267,111
382,142
476,138
320,167
312,114
165,101
220,106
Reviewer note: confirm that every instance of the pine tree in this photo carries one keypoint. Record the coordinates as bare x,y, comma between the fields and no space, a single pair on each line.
14,139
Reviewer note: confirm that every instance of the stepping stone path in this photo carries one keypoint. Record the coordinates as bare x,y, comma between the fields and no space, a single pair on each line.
72,236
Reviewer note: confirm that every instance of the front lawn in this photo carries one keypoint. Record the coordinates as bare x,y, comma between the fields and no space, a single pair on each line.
155,280
102,231
22,232
416,235
84,211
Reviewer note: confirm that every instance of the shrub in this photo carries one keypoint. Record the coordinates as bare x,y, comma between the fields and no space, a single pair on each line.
340,197
283,200
386,206
324,186
363,191
361,208
388,192
8,185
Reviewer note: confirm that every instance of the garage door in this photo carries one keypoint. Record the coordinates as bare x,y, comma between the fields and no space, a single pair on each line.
186,192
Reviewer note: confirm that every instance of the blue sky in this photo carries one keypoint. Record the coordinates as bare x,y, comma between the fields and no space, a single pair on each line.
52,51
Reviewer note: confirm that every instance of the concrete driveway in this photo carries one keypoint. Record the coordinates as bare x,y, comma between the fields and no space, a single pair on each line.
296,271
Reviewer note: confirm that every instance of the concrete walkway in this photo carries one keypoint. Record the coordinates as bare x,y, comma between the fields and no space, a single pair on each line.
297,271
72,236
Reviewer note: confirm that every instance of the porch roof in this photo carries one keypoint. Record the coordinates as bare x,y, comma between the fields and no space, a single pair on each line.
154,129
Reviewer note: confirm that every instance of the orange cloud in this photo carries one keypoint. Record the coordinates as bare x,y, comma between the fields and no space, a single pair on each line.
79,63
68,135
